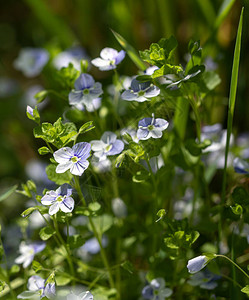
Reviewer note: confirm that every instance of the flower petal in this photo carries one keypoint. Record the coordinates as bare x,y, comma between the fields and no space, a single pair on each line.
84,81
108,137
128,95
108,53
143,134
75,97
161,123
152,92
63,155
117,148
79,167
82,150
62,168
120,57
156,133
98,145
99,62
145,122
67,205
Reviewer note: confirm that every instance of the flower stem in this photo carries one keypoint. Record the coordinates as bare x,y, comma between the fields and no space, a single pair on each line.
102,251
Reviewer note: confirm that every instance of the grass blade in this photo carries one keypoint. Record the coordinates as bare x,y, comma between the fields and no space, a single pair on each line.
232,98
208,11
130,51
223,12
8,193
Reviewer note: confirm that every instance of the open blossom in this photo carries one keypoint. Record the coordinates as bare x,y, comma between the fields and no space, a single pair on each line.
156,290
28,252
241,166
73,159
31,61
140,91
151,127
205,280
59,200
85,90
38,289
109,59
82,296
108,145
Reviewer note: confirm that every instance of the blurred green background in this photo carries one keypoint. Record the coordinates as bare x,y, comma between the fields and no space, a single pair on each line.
61,24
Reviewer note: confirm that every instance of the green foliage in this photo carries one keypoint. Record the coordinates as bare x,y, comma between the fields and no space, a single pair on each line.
46,233
58,178
75,241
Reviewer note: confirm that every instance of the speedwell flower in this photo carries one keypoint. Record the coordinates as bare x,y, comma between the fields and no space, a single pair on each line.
86,89
109,59
31,61
197,263
156,290
28,252
140,91
73,159
82,296
240,166
204,279
108,145
59,200
151,127
38,289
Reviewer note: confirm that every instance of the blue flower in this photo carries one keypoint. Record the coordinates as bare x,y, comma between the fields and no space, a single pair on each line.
38,289
205,280
109,59
240,166
94,105
82,296
59,200
197,263
108,145
31,61
140,91
92,245
151,127
30,110
28,252
73,159
86,89
156,290
72,55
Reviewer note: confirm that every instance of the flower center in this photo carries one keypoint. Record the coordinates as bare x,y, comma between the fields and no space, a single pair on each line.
141,93
108,148
59,198
86,91
112,62
74,159
150,127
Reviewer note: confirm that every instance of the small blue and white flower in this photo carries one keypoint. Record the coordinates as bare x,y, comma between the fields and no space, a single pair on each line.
198,263
240,166
72,55
109,59
156,290
86,89
28,252
92,246
107,145
94,105
31,61
82,296
38,289
73,159
59,199
140,91
151,127
205,280
151,70
30,110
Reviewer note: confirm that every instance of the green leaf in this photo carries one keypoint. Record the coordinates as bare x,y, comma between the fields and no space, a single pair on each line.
128,266
62,280
14,269
245,290
130,51
240,196
102,223
211,80
58,178
237,209
94,206
141,176
9,192
46,233
41,96
35,117
232,99
86,127
223,12
28,212
43,150
75,241
161,213
36,266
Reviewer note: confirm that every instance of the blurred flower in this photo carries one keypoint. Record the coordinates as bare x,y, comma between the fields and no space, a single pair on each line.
151,70
197,263
28,252
59,200
132,133
29,96
92,246
107,145
38,289
94,105
155,162
74,158
109,59
8,87
101,166
82,296
31,61
72,55
210,64
119,208
86,90
140,91
204,279
151,127
156,290
240,166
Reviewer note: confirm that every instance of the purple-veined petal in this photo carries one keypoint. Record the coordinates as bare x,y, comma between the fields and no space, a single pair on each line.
65,190
54,208
49,290
38,247
48,199
108,53
63,167
97,90
156,133
75,97
117,148
67,205
63,155
143,134
129,96
240,166
161,123
120,57
82,150
79,167
35,283
108,137
145,122
98,145
152,92
84,81
137,86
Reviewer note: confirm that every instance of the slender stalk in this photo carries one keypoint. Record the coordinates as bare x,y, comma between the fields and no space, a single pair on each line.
102,250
